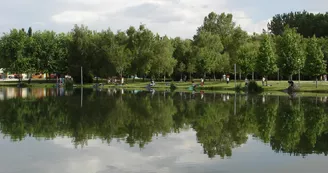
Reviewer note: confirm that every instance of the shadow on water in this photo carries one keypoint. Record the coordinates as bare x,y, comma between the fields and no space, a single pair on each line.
222,122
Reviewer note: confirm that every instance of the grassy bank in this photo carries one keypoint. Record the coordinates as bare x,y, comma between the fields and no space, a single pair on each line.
305,86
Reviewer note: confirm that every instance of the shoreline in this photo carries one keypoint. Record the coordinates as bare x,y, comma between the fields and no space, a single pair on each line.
307,87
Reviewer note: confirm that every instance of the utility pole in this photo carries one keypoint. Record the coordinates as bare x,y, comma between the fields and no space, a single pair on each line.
81,87
81,76
235,75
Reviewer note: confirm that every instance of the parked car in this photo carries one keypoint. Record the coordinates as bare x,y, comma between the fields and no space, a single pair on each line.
37,76
11,76
22,76
68,77
52,76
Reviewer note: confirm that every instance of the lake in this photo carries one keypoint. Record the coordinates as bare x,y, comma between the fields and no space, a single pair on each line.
120,131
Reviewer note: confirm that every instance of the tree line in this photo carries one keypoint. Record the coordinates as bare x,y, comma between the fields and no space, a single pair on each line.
286,49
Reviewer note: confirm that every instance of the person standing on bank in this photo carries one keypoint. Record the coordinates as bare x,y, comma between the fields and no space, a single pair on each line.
201,81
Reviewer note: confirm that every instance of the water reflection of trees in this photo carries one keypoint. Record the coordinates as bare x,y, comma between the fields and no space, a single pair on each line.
297,126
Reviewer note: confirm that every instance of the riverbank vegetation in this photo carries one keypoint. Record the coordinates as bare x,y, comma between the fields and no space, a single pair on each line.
287,49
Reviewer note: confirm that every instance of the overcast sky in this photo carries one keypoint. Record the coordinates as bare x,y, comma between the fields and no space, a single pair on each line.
170,17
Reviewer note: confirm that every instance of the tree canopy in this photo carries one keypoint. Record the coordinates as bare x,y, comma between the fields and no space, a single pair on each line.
307,24
217,45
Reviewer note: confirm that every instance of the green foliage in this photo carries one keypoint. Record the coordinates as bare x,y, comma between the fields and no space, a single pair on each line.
80,54
290,126
69,84
163,63
238,88
315,63
173,87
247,56
29,32
218,44
208,49
182,53
266,59
51,52
141,45
291,52
181,67
253,87
120,55
231,37
307,24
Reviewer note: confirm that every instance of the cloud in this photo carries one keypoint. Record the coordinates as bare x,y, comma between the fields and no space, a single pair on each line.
163,155
248,24
171,17
78,17
166,17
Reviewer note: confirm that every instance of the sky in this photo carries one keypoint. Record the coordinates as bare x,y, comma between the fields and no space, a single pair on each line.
166,17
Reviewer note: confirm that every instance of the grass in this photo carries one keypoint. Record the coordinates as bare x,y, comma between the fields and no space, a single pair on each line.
274,86
305,86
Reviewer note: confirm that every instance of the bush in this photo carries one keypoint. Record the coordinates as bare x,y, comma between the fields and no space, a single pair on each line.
69,83
253,87
172,87
238,88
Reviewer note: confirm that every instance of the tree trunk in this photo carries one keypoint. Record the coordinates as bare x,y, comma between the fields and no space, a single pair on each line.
190,76
181,77
164,78
204,76
316,82
214,77
19,80
278,76
252,75
299,78
240,75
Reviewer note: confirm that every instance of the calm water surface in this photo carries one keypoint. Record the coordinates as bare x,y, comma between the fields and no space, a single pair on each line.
115,131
